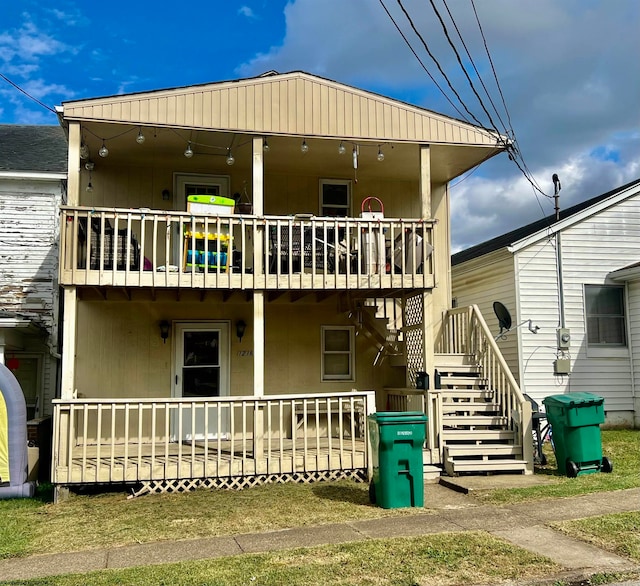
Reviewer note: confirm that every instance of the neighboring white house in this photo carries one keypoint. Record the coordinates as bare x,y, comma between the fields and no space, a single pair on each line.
580,275
33,173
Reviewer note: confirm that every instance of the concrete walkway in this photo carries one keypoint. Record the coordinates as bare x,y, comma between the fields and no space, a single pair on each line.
449,508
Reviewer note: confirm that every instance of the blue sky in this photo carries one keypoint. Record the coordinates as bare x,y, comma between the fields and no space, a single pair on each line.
567,68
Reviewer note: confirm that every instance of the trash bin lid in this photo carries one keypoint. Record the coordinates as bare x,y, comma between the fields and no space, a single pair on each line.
573,400
386,417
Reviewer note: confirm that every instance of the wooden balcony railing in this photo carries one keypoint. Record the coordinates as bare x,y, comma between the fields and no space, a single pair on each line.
138,440
151,248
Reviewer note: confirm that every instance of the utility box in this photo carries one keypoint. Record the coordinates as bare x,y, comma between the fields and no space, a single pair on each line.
562,366
564,338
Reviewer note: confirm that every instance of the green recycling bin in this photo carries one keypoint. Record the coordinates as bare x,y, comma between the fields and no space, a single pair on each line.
575,420
397,438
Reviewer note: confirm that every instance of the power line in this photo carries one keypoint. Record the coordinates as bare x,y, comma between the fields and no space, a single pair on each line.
421,62
495,75
36,100
486,91
415,30
464,70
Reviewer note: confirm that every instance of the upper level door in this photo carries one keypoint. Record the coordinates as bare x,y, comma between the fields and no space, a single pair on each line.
201,371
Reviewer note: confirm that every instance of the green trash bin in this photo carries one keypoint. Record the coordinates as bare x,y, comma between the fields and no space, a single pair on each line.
397,438
575,420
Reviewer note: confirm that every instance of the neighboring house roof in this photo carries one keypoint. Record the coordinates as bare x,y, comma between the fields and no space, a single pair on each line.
39,149
547,224
269,104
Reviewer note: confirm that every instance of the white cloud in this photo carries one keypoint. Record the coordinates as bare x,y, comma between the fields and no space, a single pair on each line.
247,12
568,71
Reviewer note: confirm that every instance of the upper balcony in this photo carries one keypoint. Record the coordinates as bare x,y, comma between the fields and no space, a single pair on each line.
111,247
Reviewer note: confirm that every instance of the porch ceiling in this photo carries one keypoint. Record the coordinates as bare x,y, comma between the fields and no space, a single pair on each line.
166,145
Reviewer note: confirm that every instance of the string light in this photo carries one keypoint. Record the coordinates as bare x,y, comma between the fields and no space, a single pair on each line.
230,158
304,147
265,147
140,138
188,151
380,154
104,151
342,149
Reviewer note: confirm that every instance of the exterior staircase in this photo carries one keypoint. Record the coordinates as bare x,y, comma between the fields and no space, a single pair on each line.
476,436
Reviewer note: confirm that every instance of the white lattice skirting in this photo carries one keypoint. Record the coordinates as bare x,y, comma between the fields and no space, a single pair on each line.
242,482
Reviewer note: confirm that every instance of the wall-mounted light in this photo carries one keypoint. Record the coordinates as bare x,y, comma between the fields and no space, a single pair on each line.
166,195
241,328
188,151
140,138
104,151
164,330
304,147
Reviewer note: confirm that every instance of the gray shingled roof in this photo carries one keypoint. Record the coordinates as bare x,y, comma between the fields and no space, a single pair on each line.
33,148
519,233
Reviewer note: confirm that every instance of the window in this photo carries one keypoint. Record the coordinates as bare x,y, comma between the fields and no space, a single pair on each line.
604,309
335,197
337,353
194,184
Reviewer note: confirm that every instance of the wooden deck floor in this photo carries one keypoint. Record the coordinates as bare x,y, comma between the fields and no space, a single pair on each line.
214,459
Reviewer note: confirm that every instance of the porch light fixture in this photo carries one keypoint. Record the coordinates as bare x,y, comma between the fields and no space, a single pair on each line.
84,150
188,151
342,149
230,159
164,330
241,328
140,138
265,146
380,154
304,147
104,151
166,195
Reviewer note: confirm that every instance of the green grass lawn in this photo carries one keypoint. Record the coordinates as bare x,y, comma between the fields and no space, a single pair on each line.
29,526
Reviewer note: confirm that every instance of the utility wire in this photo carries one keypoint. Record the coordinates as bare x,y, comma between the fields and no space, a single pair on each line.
415,30
36,100
508,131
495,75
421,62
464,70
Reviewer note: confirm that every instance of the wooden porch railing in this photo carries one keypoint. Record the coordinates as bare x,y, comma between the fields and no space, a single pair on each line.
138,440
466,332
153,248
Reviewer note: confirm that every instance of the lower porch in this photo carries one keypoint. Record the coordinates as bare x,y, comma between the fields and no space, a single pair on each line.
232,442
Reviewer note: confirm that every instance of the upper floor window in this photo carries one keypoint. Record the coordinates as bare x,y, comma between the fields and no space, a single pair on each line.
604,309
335,197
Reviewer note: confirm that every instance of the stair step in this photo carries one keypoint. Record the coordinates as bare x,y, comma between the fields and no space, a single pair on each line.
447,370
458,466
478,436
463,382
470,407
445,361
482,450
475,420
451,395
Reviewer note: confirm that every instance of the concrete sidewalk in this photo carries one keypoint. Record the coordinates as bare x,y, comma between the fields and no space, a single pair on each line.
447,510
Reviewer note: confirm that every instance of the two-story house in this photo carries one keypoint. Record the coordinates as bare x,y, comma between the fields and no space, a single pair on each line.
252,267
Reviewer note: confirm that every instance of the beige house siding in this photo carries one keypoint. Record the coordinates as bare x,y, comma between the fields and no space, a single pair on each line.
295,103
120,353
481,282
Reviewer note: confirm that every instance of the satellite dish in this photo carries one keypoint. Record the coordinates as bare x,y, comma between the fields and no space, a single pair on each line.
503,315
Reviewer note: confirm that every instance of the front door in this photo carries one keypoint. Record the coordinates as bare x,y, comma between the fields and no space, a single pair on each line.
201,371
